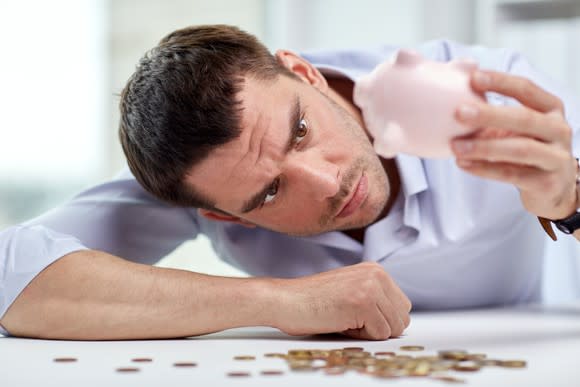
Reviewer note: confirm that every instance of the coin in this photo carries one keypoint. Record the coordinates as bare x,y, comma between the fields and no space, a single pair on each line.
64,359
353,349
412,348
453,354
127,369
448,379
389,364
185,364
512,363
466,367
244,357
142,360
490,362
238,374
385,353
272,372
276,355
334,370
475,356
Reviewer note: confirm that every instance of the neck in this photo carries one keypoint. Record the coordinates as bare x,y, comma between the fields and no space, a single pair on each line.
341,91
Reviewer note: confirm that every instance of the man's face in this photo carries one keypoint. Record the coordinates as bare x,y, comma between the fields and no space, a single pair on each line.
302,165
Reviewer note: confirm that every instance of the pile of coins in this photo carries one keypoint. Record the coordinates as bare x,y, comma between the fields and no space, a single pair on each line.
390,365
384,365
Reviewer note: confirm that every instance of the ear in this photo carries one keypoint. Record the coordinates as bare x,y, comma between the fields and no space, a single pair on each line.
302,68
223,217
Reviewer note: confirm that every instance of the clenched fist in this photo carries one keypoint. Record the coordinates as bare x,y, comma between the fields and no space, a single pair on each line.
361,301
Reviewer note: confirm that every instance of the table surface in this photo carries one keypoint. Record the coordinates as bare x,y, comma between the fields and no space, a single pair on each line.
548,338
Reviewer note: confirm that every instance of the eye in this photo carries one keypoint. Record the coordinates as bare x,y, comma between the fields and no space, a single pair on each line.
301,131
272,192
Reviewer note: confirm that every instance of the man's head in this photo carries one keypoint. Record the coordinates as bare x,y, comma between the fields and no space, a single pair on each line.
211,119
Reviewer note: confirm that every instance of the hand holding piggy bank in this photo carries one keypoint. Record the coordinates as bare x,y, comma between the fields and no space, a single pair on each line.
408,104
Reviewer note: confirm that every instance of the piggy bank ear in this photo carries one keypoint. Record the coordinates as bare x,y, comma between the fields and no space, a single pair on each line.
408,58
465,64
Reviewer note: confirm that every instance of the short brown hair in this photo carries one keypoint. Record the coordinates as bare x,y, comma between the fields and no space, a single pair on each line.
181,103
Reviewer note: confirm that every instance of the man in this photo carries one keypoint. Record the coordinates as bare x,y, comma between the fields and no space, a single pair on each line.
269,157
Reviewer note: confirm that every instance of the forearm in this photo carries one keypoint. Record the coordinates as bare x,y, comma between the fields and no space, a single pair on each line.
90,295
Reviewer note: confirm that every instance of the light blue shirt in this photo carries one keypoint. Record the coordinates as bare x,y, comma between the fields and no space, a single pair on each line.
451,240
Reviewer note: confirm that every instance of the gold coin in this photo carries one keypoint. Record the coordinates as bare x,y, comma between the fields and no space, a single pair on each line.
272,372
244,357
448,379
476,356
65,360
466,367
238,374
127,369
185,364
490,362
353,349
412,348
142,360
334,370
453,354
513,363
276,355
385,353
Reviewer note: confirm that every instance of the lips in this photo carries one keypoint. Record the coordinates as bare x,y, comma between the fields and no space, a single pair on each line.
356,199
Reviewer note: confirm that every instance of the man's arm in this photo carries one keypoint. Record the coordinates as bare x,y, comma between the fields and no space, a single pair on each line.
91,295
117,217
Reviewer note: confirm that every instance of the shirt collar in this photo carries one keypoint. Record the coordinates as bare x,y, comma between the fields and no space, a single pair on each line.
413,182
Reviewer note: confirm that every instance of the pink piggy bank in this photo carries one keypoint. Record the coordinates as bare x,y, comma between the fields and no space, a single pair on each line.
408,104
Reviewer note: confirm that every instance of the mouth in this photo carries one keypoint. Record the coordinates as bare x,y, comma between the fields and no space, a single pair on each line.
355,200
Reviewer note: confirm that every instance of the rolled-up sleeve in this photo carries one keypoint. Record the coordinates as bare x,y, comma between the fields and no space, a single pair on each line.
118,217
26,251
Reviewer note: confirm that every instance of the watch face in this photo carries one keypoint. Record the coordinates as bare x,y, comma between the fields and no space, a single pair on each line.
564,228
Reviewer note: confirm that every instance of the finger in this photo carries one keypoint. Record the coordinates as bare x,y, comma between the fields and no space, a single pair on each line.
392,315
515,150
524,177
520,88
376,327
401,304
394,293
521,120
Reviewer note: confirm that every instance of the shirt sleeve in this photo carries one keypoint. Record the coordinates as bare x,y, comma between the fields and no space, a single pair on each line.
118,217
513,62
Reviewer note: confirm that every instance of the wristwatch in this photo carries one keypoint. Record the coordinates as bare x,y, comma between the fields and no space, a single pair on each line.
569,224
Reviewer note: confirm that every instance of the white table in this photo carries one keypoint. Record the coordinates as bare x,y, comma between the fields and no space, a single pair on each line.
548,338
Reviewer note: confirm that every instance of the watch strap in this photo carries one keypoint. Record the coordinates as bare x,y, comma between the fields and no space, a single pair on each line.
573,221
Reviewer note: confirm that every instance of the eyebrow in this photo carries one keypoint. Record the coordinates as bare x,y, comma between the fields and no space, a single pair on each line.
294,124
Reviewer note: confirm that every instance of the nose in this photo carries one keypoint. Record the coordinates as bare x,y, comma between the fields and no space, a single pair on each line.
313,176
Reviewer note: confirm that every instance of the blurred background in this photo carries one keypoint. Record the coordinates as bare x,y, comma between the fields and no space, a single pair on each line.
64,62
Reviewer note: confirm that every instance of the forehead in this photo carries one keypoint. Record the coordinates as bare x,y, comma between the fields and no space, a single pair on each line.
237,169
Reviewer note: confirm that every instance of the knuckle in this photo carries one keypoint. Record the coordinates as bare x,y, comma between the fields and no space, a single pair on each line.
525,119
509,173
521,152
397,331
385,332
559,104
563,130
527,87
